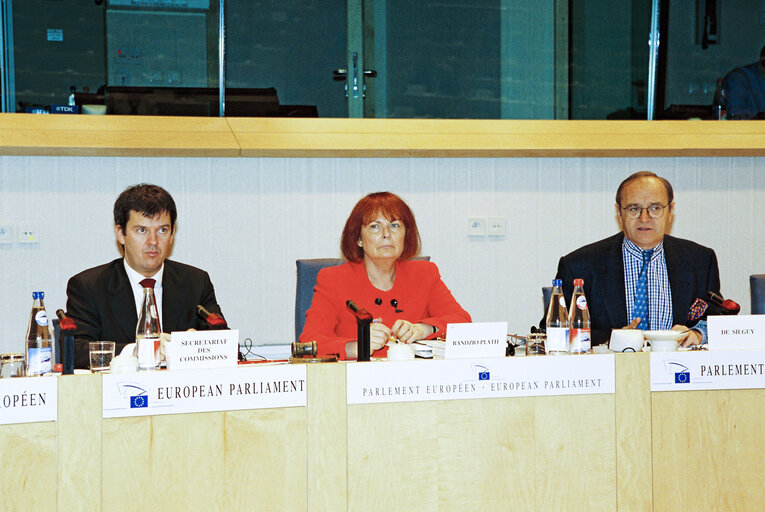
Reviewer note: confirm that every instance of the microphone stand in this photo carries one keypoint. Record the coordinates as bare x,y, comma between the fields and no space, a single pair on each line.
363,321
66,333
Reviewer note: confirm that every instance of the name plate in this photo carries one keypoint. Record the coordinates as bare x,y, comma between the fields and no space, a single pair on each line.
202,349
28,399
739,332
459,379
700,370
479,339
222,389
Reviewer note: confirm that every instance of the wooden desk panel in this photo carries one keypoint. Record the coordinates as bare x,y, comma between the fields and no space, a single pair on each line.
707,450
634,450
546,453
28,466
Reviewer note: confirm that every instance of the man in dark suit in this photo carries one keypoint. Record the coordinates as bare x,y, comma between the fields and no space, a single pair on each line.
675,272
104,300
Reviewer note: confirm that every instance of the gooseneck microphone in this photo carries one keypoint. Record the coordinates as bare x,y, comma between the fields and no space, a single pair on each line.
68,327
363,320
216,321
728,306
212,319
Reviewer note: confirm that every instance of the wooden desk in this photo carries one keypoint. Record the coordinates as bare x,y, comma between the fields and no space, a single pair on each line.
634,450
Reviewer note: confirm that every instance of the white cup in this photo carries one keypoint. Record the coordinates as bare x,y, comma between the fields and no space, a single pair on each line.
626,340
400,352
663,345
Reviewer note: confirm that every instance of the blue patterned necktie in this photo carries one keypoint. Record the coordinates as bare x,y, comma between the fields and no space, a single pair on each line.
640,308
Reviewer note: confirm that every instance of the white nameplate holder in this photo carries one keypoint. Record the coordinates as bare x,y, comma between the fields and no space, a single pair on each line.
28,399
221,389
202,349
739,332
479,339
703,370
461,379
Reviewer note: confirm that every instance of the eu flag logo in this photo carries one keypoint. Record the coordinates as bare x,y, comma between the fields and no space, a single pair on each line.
483,375
682,378
139,401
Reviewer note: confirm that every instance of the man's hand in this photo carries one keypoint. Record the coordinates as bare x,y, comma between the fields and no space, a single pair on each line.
691,336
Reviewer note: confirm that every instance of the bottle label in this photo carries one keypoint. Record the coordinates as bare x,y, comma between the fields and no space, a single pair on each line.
39,360
557,339
580,340
41,317
145,351
581,302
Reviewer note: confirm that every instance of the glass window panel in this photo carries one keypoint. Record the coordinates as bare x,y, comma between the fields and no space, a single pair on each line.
706,40
292,46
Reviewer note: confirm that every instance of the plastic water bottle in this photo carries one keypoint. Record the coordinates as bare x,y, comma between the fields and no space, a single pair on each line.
579,321
147,331
557,321
38,349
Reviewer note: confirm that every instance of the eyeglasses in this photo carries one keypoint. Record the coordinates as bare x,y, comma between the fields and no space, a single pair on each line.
656,211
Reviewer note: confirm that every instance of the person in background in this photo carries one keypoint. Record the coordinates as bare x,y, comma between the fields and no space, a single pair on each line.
104,301
642,277
745,90
406,297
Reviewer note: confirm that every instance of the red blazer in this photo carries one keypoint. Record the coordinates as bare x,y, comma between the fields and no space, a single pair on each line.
420,293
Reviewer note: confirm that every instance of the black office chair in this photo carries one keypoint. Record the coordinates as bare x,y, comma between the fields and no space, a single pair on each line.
757,293
546,294
307,271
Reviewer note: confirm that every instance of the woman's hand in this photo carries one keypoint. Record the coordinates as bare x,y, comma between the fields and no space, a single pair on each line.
408,332
379,335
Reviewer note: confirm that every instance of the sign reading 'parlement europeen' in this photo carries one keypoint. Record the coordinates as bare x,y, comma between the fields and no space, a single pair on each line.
456,379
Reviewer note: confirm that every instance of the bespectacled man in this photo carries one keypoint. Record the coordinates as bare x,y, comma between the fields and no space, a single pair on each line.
642,277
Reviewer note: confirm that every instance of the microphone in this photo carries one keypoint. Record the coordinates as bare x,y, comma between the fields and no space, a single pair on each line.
212,319
728,306
713,305
361,313
64,322
67,326
216,321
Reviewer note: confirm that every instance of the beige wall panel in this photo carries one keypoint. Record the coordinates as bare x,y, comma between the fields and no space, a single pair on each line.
28,466
707,448
575,453
327,431
393,456
265,460
633,426
79,449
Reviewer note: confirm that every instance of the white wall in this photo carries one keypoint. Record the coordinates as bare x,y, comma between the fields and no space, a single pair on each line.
247,220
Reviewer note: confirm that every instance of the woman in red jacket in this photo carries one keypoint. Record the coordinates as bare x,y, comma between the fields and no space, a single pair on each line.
407,298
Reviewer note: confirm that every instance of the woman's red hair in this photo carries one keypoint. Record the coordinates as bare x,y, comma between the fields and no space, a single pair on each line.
366,210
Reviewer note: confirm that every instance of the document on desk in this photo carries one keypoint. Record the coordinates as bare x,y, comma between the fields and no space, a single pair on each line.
221,389
702,370
459,379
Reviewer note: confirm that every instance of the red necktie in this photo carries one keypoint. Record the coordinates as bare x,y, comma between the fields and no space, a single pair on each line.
148,282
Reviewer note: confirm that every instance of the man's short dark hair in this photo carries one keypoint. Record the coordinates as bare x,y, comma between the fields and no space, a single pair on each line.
148,200
645,174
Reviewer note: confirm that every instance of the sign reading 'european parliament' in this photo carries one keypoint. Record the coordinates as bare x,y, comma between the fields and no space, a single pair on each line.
457,379
224,389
